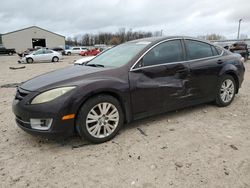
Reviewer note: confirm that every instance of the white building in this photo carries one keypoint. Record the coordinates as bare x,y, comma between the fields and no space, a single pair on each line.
31,37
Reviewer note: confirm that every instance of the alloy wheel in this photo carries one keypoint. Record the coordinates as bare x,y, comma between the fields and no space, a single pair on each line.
227,91
102,120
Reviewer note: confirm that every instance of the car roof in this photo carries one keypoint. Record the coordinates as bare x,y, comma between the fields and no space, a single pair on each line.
154,40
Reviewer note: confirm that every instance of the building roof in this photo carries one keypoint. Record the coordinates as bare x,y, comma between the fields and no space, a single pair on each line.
33,27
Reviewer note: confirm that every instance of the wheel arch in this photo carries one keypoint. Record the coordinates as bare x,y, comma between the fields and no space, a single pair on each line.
55,56
29,58
231,70
125,105
236,79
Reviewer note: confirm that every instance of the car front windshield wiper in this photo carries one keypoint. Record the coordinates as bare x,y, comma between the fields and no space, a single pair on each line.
94,65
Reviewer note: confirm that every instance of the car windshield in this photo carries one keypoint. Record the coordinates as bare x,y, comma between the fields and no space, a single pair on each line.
119,55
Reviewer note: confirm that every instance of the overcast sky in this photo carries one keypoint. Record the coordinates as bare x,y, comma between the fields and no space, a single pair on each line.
175,17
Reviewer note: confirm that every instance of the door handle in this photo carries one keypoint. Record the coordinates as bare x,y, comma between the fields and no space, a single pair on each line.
219,61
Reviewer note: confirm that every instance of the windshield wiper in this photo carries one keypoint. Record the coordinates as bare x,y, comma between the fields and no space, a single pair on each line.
95,65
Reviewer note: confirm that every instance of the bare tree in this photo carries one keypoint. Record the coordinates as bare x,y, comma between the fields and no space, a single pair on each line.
107,38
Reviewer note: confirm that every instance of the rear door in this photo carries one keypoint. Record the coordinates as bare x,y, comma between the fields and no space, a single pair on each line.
160,79
205,62
48,55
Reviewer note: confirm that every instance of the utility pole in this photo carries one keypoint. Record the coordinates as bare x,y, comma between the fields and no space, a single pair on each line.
239,29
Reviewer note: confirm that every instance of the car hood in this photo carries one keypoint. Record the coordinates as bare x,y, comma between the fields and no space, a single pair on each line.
60,77
83,60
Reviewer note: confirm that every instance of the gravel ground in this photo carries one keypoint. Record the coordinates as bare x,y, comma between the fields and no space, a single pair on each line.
202,146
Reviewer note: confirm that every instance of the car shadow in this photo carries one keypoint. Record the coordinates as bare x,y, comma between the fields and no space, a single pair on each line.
75,141
168,115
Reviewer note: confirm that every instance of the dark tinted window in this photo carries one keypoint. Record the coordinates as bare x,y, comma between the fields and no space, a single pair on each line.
76,48
197,50
166,52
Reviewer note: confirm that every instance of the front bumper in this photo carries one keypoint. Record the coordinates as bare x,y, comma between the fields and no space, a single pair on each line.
55,110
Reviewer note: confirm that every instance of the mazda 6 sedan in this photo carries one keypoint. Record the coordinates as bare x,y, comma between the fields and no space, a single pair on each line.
130,81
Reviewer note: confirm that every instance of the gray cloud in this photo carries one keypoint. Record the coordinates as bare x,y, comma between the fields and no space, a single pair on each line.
179,17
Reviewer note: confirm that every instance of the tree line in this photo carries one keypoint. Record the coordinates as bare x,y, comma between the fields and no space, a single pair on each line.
122,36
109,38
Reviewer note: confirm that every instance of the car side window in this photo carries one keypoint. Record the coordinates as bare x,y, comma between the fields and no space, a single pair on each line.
76,48
198,50
170,51
38,52
48,52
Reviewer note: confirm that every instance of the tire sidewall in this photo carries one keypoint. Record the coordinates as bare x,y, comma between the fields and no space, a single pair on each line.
218,98
82,115
55,59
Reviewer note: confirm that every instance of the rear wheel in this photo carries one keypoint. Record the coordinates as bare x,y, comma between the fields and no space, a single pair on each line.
69,53
29,60
99,119
246,58
55,59
226,91
10,53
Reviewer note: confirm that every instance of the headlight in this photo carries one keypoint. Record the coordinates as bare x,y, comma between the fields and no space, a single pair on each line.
51,94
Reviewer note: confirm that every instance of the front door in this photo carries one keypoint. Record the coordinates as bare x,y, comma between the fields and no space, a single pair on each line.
160,80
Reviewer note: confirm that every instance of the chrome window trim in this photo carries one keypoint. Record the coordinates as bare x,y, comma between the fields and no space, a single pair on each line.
171,63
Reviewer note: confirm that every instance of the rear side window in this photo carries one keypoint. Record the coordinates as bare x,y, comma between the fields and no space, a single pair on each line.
76,48
48,52
170,51
198,50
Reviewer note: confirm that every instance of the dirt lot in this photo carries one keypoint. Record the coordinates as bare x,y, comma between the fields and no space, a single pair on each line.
202,146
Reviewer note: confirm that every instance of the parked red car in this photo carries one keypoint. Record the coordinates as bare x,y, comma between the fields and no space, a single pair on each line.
92,52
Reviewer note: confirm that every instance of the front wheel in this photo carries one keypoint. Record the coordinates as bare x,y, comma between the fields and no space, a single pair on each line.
29,60
99,119
226,91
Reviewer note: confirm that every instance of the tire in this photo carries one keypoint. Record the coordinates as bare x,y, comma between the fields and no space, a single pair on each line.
10,53
100,127
69,53
29,60
55,59
226,90
246,58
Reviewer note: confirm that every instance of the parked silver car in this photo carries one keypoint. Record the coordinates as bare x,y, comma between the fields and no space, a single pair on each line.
42,55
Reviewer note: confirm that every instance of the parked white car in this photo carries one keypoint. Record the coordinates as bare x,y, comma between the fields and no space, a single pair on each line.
75,50
84,60
42,55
